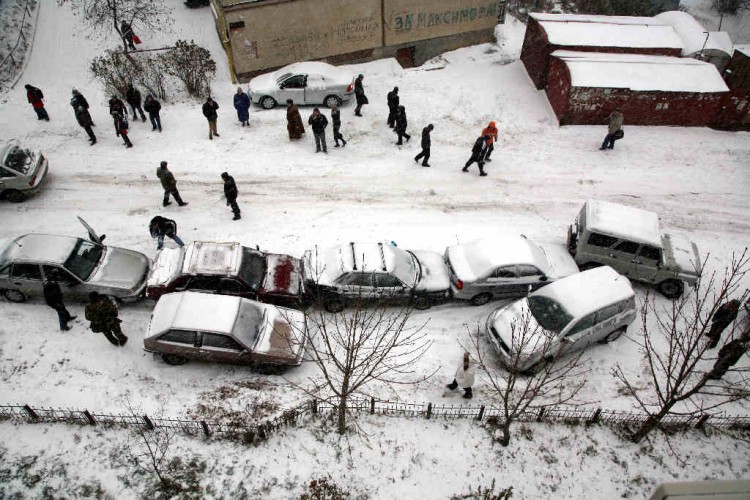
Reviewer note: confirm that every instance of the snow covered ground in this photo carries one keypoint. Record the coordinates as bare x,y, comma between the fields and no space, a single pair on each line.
697,179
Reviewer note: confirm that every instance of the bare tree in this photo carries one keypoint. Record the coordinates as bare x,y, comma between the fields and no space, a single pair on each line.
192,64
150,451
675,350
101,15
555,379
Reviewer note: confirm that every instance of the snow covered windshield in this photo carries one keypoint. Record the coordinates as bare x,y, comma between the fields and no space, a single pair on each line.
549,314
19,159
250,320
84,259
252,268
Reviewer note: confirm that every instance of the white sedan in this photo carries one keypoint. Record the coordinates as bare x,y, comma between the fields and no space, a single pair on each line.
304,83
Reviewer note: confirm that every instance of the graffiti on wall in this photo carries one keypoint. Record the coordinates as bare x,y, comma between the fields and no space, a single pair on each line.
355,30
404,22
348,33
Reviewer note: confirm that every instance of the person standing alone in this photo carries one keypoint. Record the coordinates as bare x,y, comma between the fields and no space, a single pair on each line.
318,122
359,94
464,377
35,98
230,192
294,124
242,105
614,129
169,184
209,111
152,107
426,142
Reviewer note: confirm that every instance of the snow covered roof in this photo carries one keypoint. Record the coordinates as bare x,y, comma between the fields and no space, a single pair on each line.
370,257
477,259
585,18
612,34
583,293
195,311
745,49
693,34
41,247
208,257
641,72
630,223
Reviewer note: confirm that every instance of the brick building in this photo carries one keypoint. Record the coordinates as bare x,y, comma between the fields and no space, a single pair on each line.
735,112
585,87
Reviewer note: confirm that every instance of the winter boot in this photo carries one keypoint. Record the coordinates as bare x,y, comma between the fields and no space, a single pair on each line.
467,393
453,385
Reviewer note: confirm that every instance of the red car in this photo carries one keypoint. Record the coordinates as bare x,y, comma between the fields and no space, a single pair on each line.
228,269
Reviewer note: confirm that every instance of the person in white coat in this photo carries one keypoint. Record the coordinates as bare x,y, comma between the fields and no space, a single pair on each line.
464,376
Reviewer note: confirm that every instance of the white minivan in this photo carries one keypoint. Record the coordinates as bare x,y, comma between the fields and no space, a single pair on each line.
594,306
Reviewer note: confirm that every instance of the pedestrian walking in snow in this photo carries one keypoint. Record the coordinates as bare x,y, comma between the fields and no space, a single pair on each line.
614,129
84,120
490,130
152,107
464,377
121,127
169,184
426,142
78,101
477,154
722,318
318,122
102,313
242,105
393,103
133,96
336,120
294,124
117,106
230,192
54,298
401,125
359,94
209,111
159,227
126,30
35,96
729,355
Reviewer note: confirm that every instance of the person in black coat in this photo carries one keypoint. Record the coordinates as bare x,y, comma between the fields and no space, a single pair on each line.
230,192
401,124
722,318
729,355
336,119
209,111
359,94
133,97
84,120
117,106
159,227
54,298
318,122
127,35
78,101
477,154
393,103
121,126
426,141
152,107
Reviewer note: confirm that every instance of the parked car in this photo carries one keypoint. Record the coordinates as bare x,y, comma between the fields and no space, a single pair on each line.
228,269
305,83
502,267
630,240
21,172
375,272
82,266
566,316
224,329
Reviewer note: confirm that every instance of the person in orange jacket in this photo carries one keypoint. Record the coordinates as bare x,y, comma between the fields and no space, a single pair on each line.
490,130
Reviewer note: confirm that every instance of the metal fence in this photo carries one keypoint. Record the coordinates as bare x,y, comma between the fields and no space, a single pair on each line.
254,432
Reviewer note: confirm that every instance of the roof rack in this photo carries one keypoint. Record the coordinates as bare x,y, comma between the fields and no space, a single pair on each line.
382,255
354,256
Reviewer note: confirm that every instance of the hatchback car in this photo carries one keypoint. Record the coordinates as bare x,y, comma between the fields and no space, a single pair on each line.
21,172
305,83
82,266
375,272
566,316
224,329
228,269
505,267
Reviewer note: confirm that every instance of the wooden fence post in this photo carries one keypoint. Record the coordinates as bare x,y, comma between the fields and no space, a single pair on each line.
429,410
596,417
149,423
541,414
481,413
702,421
372,406
206,430
31,412
89,417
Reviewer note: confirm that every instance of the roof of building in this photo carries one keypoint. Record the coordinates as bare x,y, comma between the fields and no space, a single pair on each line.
586,18
641,72
695,37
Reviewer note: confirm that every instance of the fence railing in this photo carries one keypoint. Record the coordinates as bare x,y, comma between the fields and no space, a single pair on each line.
9,60
254,432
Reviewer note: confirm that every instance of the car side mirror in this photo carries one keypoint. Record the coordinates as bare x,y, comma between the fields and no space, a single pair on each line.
542,278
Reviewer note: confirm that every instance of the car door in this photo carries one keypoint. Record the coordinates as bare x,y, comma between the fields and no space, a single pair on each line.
357,285
623,257
205,284
647,263
69,284
316,89
178,342
529,278
597,249
502,282
293,88
26,277
581,335
233,286
389,287
220,348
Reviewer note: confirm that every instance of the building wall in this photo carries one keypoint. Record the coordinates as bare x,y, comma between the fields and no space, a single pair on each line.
592,106
738,74
735,111
349,30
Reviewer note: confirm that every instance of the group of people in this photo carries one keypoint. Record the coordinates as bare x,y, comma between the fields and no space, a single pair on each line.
733,350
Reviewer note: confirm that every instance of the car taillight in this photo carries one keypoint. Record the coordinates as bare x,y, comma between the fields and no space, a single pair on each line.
459,284
350,87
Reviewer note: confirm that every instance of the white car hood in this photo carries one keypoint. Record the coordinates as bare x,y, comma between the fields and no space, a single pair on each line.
510,318
560,262
120,268
263,83
435,275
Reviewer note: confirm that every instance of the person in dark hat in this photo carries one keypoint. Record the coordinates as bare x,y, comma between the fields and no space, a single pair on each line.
102,313
359,94
54,298
477,154
230,192
426,142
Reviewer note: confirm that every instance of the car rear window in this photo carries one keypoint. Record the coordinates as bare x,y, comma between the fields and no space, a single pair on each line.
179,337
253,267
84,259
216,341
19,160
549,313
601,240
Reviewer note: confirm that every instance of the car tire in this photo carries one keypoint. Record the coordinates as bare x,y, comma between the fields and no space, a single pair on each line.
174,359
334,305
267,102
269,369
614,335
16,296
422,303
332,101
671,289
536,367
588,266
14,196
481,299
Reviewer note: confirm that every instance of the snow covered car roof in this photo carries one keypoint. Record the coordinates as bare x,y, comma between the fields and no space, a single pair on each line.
195,311
633,224
585,292
208,257
40,248
371,257
316,68
476,260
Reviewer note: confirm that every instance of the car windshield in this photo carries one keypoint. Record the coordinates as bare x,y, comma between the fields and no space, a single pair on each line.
84,258
252,268
549,314
283,77
19,159
250,321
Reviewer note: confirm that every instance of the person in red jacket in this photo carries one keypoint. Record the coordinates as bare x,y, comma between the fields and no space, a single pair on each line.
490,130
35,96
